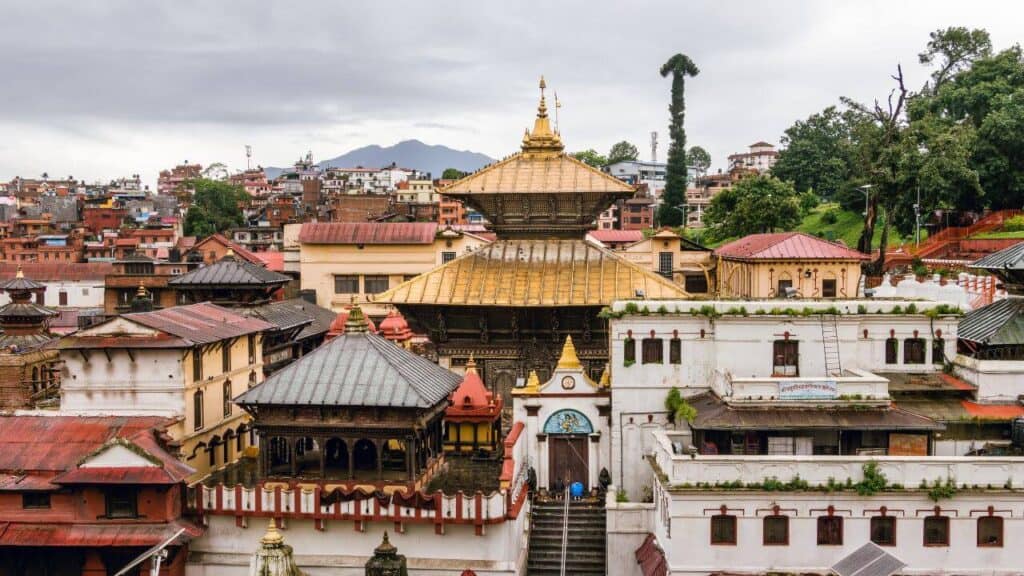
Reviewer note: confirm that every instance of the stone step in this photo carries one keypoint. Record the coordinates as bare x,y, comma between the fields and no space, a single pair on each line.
573,567
572,521
576,555
576,545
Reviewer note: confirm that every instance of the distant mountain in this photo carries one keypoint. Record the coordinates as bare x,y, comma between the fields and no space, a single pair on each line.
406,154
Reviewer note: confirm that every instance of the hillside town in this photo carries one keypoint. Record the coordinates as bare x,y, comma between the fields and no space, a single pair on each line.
809,361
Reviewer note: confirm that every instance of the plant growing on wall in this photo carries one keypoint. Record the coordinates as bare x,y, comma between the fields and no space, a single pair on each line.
678,408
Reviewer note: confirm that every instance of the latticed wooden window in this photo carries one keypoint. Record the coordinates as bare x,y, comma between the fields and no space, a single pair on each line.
913,351
776,530
675,351
883,530
653,350
938,351
892,353
936,531
990,531
830,530
629,351
786,358
723,529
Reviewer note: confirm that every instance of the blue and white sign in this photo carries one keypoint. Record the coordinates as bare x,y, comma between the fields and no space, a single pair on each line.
568,422
808,390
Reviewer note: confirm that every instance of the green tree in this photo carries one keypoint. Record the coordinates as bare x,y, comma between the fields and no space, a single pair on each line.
452,174
755,204
679,67
699,159
590,157
955,49
622,151
216,206
817,153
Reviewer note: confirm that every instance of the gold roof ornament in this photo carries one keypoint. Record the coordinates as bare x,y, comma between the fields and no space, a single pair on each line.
141,292
20,273
606,377
356,321
471,365
543,141
532,386
272,537
569,360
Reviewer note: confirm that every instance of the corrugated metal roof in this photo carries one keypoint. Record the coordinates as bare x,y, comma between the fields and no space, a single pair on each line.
95,535
616,235
26,310
218,238
358,369
1012,257
15,284
126,475
368,233
534,273
787,246
203,323
714,414
284,315
272,260
868,560
229,271
998,324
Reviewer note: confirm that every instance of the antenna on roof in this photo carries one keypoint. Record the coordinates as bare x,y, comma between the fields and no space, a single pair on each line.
654,147
248,157
558,104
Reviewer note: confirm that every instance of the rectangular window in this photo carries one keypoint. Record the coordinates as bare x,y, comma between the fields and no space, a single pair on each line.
252,379
35,500
252,348
347,284
990,531
197,364
225,357
828,288
695,283
675,351
783,284
447,257
776,531
883,530
122,503
830,530
913,351
375,284
629,351
786,358
62,298
197,409
227,398
936,531
723,529
652,349
665,264
938,351
892,352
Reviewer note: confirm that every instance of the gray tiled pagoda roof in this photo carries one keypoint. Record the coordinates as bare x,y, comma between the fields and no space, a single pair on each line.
1001,323
229,271
1012,258
357,369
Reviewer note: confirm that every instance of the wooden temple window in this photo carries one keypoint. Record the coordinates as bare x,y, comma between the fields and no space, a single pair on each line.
225,357
892,354
122,503
828,288
665,264
723,530
913,351
197,409
197,364
629,351
375,284
830,530
775,530
990,532
936,531
786,358
447,257
346,284
675,351
35,500
938,351
653,350
251,341
695,283
227,398
883,530
782,285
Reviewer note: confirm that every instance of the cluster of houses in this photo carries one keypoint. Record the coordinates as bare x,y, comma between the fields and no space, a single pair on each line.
534,397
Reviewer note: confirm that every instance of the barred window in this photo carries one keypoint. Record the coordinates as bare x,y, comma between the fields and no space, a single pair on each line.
990,531
776,530
347,284
892,351
936,531
675,351
913,351
723,529
786,358
830,530
652,350
883,530
629,351
375,284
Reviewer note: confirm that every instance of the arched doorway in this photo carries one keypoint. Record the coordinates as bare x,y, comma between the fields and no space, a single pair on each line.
336,458
279,456
365,455
307,456
568,448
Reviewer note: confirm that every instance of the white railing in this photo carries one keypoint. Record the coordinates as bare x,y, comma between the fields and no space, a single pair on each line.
909,471
565,530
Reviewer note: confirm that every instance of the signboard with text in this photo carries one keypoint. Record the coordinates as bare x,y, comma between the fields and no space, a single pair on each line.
808,389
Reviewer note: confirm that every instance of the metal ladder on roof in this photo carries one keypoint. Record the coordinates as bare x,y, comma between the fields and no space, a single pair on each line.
830,341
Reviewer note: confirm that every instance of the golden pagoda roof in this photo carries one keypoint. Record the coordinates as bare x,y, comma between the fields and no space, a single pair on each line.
541,166
526,273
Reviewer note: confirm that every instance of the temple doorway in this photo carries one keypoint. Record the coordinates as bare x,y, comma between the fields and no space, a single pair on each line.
568,461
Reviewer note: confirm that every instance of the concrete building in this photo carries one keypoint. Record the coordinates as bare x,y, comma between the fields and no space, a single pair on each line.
71,285
185,362
761,156
345,263
676,258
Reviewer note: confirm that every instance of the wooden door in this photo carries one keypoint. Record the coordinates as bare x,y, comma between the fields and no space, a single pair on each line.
568,459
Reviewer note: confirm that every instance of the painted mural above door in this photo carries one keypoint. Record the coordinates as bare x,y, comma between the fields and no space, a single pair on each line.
568,421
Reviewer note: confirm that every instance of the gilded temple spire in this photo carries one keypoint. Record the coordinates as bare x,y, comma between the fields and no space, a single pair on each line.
542,141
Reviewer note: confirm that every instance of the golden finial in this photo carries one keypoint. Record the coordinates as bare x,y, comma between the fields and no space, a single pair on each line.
532,385
230,253
272,537
141,292
606,377
20,274
470,365
542,140
569,359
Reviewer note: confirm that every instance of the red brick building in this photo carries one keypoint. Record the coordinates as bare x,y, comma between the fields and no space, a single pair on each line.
87,495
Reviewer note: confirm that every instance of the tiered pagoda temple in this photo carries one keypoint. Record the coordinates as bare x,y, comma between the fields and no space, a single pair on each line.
29,371
512,303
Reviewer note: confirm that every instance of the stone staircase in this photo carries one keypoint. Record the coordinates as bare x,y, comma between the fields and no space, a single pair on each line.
585,548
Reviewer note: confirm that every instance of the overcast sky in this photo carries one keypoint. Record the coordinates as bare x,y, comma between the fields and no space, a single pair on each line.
105,89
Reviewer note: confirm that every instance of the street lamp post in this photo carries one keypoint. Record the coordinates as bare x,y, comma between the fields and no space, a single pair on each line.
917,219
865,190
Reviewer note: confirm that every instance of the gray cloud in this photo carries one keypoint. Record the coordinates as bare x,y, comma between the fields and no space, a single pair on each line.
127,86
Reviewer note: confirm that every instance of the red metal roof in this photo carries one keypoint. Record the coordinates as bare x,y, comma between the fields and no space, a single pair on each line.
36,449
368,233
993,411
126,475
57,271
95,535
956,382
787,246
203,323
274,261
616,236
239,251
